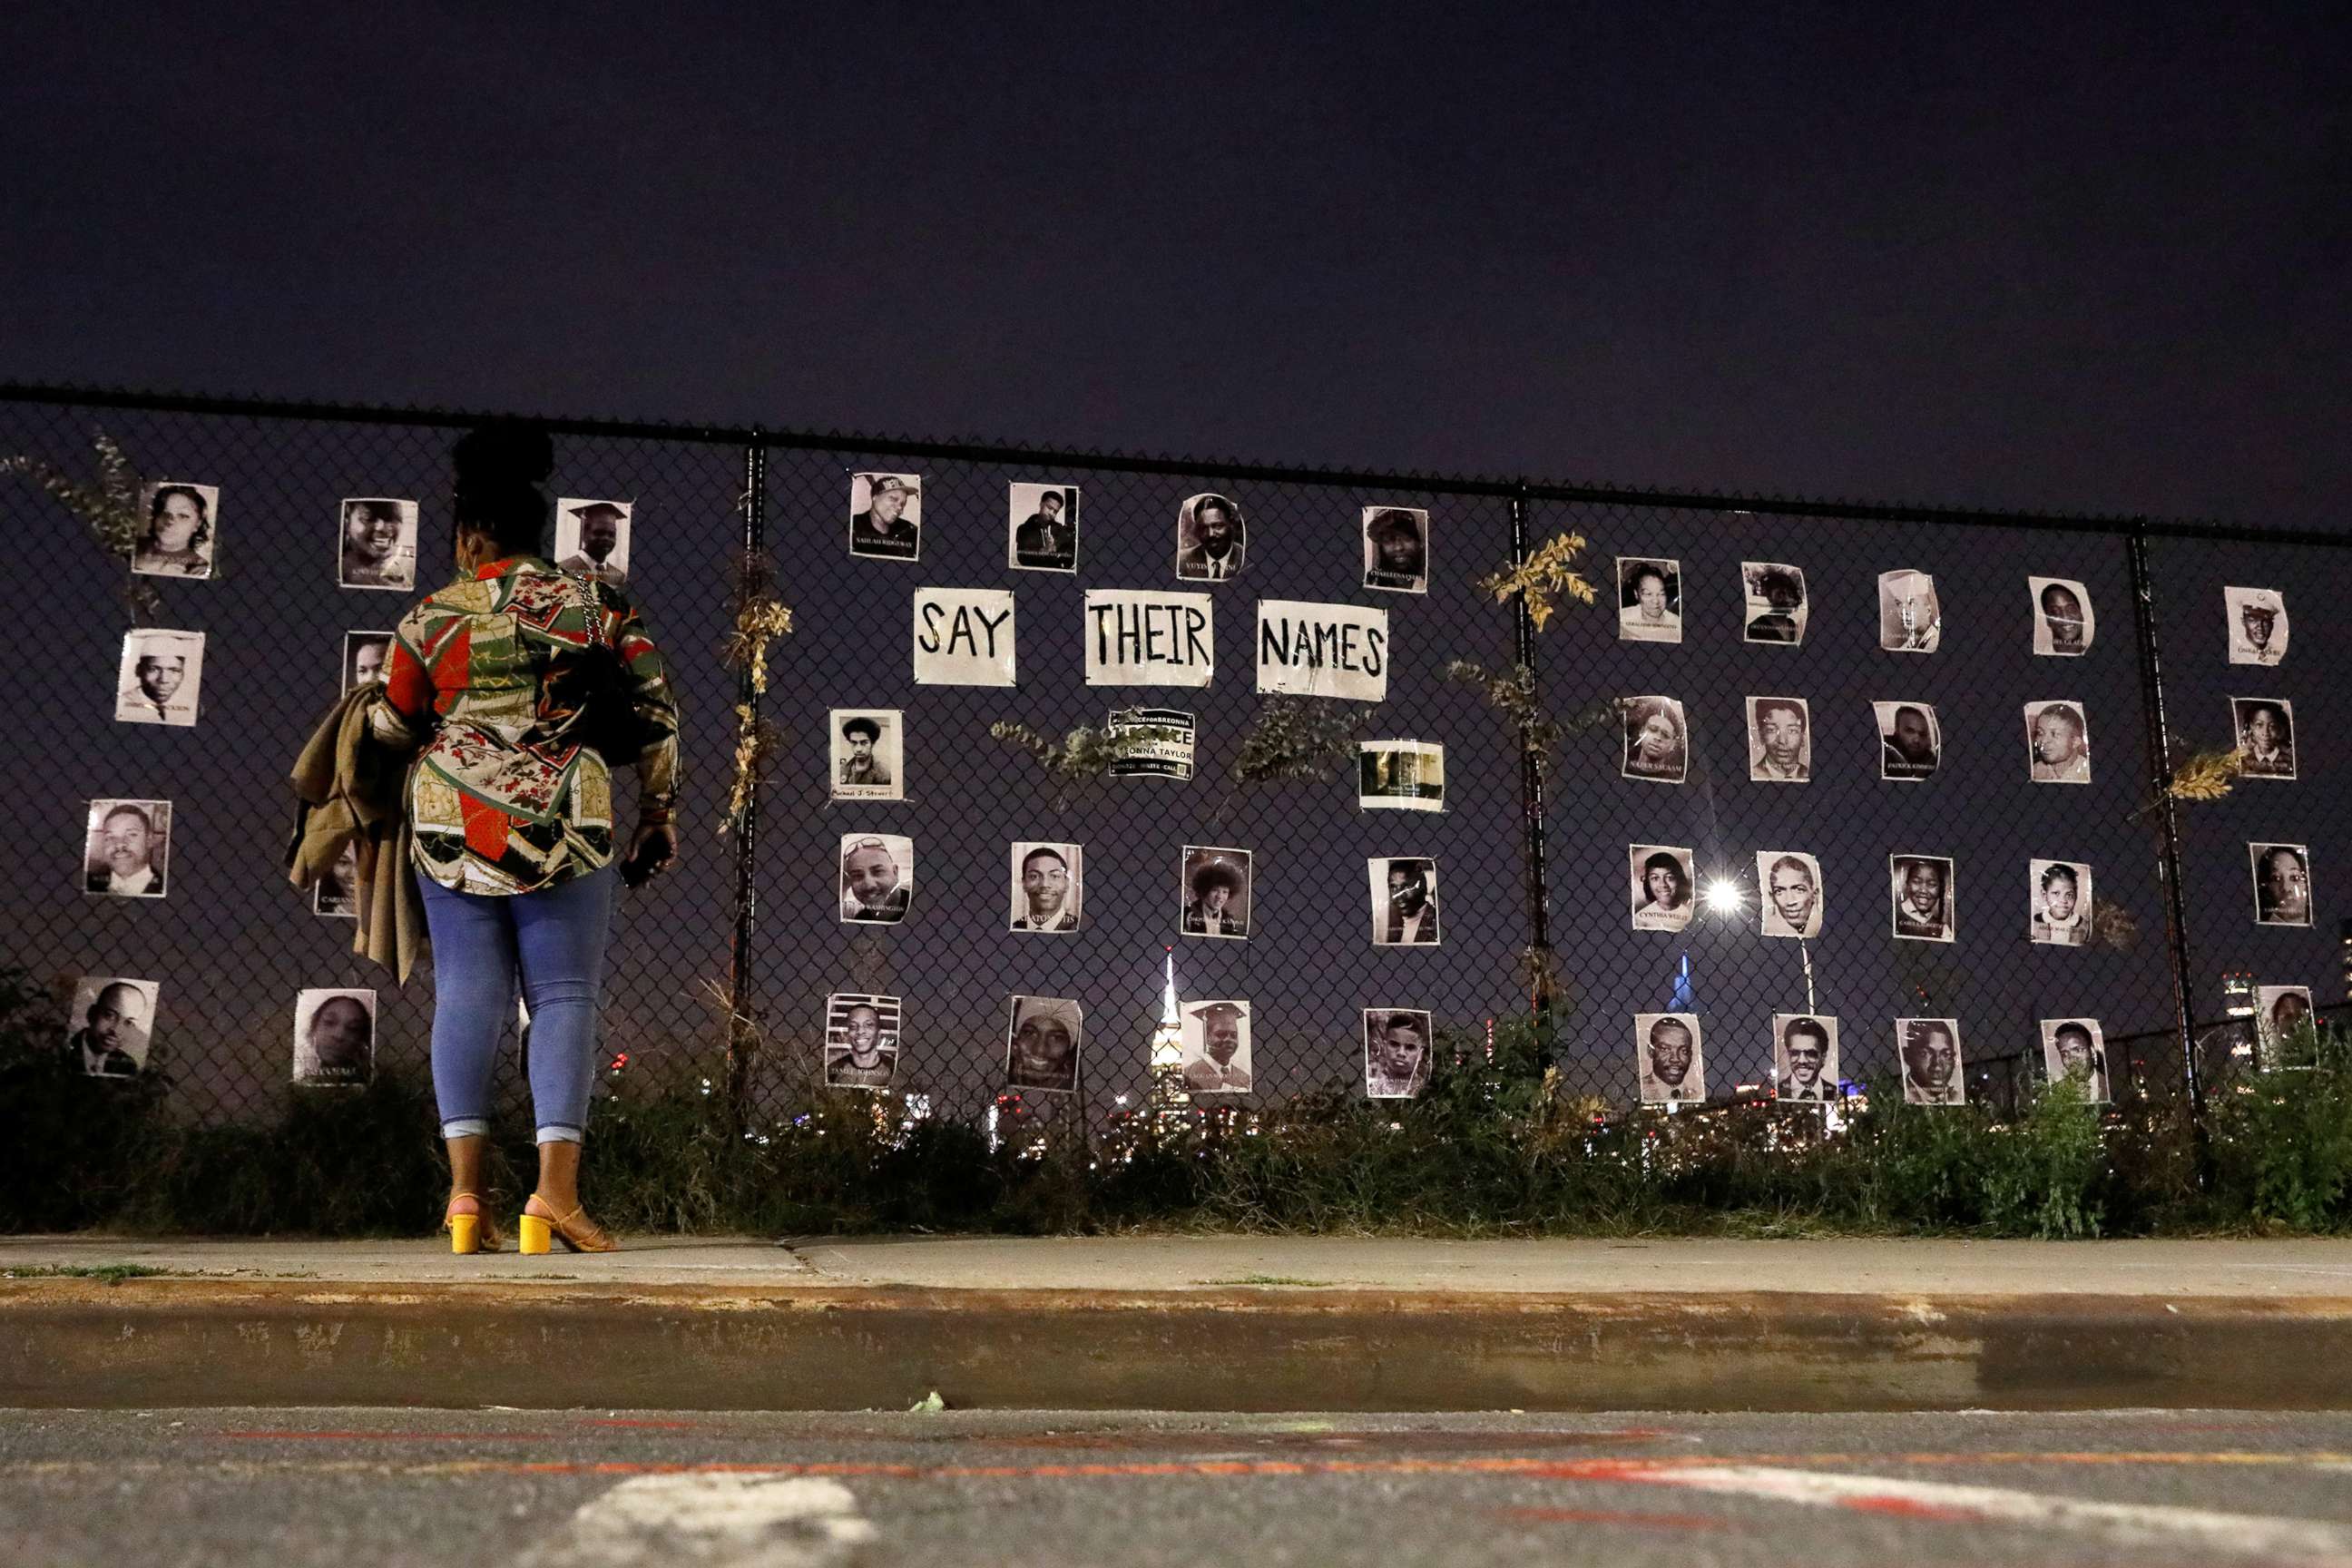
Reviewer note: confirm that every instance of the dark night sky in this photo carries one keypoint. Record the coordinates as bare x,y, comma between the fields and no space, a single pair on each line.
2079,257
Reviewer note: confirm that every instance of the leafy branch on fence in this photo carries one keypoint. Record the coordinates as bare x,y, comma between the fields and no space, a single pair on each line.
760,620
1541,577
1297,738
108,510
1512,693
1083,756
2200,776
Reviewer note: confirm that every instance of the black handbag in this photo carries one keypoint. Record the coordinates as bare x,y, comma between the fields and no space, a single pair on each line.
607,721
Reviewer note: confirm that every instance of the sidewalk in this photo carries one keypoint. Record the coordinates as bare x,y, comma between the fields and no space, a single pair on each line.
1182,1323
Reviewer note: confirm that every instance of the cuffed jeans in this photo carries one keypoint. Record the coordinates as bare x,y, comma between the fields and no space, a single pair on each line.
553,940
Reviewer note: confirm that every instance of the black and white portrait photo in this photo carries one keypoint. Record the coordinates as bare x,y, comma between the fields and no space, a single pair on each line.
1667,1056
127,851
1805,1058
1910,616
1791,881
1649,599
1041,527
2280,1015
2075,1048
1657,743
1043,1036
1910,740
1780,740
1404,901
1777,607
1212,538
2282,884
178,537
1924,901
1396,549
592,539
878,877
861,1040
1932,1068
112,1025
886,516
1396,1052
1662,884
375,543
1048,887
2062,624
2057,743
1400,776
869,754
161,679
336,894
1152,742
2062,903
364,656
2266,727
1216,1041
2258,625
334,1039
1215,889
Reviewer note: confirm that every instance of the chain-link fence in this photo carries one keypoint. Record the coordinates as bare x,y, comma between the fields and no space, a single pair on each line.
1539,887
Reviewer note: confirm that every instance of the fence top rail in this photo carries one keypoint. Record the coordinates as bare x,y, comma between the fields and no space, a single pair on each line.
1727,504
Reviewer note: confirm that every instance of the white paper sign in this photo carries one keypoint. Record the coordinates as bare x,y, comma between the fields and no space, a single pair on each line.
1323,650
1139,637
963,636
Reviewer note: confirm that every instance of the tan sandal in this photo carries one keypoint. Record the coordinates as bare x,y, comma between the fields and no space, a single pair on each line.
575,1230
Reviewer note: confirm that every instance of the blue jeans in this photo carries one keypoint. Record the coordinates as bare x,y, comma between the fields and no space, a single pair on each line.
554,941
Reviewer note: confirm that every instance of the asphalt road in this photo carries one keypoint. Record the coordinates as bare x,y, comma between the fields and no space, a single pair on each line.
361,1488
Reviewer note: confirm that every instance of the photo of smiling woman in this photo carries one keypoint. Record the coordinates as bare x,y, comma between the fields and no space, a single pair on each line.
1047,884
178,539
376,544
1042,1041
1662,879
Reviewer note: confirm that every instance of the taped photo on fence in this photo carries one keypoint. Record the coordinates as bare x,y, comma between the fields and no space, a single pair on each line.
1216,1044
1043,1039
2282,884
1404,900
336,894
1214,887
886,516
1396,549
2062,903
1933,1072
1666,1056
2266,727
963,636
1152,742
1041,527
1649,599
2258,625
2075,1048
127,848
1791,881
111,1022
1396,1052
180,531
1657,740
1211,539
2057,743
861,1040
1400,776
1776,606
1150,637
2064,625
868,757
1910,740
592,538
1924,899
1048,887
1661,881
334,1039
160,679
1779,740
364,656
1322,650
1805,1058
1910,616
2282,1019
878,877
375,543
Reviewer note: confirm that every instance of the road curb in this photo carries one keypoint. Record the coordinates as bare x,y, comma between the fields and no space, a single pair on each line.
150,1344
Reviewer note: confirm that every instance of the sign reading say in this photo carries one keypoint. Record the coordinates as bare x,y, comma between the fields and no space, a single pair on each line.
1323,650
963,636
1146,638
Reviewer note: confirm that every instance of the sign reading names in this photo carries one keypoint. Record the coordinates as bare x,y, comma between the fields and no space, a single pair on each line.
1323,650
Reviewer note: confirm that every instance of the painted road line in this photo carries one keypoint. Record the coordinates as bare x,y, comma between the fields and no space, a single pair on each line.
709,1522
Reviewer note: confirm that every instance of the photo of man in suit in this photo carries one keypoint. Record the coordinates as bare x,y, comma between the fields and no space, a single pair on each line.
126,854
1216,1047
1404,895
1806,1069
1667,1056
1215,889
112,1040
602,552
1931,1061
1046,886
1211,540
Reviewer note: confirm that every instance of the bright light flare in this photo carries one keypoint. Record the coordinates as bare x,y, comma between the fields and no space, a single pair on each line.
1723,896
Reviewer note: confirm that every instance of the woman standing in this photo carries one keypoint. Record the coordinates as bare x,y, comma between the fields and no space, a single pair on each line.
513,817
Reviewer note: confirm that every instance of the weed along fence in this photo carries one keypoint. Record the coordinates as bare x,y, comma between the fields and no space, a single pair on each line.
1032,788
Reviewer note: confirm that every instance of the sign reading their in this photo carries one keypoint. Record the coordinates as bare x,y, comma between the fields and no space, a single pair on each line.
1323,650
963,636
1148,638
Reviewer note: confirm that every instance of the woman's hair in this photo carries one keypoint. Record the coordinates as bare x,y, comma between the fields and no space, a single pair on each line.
500,469
194,497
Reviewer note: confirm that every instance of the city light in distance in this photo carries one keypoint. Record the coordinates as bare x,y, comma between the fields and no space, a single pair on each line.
1724,897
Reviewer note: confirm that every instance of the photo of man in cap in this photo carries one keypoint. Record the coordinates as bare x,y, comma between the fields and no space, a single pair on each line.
376,544
877,875
1211,540
1930,1049
2265,736
1396,549
1667,1056
1217,1038
1404,902
127,853
2063,627
2258,625
161,677
861,1041
1047,885
866,749
1046,534
2074,1047
1910,617
1805,1053
1910,742
2058,743
592,539
886,520
1922,894
115,1015
1215,889
2282,884
1396,1053
1042,1042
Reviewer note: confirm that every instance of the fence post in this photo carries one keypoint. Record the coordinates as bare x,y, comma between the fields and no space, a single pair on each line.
1531,800
2167,818
742,1039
